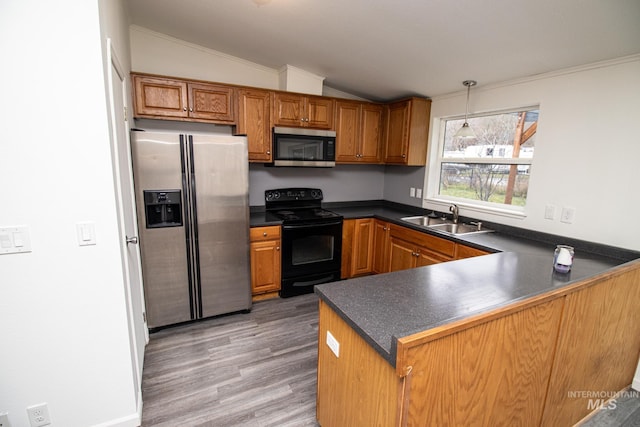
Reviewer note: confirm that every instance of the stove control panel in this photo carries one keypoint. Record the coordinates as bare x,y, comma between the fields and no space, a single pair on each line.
290,194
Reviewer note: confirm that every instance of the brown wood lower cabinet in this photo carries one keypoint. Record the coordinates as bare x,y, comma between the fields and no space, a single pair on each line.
357,244
410,249
463,251
516,365
265,261
374,246
381,233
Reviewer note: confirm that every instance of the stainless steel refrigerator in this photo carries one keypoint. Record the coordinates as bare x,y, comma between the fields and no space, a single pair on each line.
193,217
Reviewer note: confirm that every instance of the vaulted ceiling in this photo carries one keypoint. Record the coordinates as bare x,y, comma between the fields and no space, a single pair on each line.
385,49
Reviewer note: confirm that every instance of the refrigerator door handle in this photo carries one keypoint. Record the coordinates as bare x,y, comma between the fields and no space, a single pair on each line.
186,203
193,206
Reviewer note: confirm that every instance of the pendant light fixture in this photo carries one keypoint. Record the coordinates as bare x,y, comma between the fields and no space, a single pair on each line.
465,131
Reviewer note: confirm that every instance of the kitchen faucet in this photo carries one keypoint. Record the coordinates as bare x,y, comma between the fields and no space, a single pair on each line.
454,210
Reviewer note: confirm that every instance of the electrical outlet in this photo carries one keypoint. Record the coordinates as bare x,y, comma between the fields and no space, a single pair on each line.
419,193
4,420
333,344
567,215
412,192
38,415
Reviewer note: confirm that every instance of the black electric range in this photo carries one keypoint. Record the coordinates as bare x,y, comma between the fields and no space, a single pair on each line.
311,239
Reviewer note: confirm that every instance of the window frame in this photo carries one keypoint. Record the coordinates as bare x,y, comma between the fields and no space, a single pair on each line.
437,159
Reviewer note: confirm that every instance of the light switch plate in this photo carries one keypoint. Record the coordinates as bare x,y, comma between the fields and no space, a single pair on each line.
86,233
14,240
549,212
568,214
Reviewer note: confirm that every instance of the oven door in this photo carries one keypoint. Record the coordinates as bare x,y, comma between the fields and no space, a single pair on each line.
311,249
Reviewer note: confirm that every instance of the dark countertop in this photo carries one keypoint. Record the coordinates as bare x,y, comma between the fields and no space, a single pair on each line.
385,307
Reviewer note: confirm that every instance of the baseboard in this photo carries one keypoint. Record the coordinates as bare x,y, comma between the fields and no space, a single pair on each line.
133,420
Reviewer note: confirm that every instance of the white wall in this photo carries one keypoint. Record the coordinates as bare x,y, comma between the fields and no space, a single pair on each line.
150,50
63,317
585,156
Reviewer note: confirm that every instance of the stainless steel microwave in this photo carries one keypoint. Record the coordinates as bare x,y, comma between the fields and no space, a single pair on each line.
304,147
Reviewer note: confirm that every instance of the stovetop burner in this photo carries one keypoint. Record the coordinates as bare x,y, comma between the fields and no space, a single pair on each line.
305,214
298,205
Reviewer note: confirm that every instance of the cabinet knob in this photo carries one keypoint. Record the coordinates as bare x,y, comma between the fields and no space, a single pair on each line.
264,234
184,109
404,156
269,152
191,110
277,248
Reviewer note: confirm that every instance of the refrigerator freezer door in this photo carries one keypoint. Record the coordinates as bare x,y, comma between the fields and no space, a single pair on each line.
157,166
221,180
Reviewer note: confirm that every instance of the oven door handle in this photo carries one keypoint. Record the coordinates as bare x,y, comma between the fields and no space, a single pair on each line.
316,225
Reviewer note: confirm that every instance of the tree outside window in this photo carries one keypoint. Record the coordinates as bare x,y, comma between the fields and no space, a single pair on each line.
495,166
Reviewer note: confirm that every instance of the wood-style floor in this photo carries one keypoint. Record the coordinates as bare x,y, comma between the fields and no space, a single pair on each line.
256,369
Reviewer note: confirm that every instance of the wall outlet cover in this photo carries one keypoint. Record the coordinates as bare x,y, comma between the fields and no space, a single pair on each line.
333,344
38,415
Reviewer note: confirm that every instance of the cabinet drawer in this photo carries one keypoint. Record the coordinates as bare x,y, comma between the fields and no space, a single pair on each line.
464,251
433,243
257,234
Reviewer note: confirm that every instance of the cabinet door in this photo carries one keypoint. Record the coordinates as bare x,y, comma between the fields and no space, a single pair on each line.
160,97
254,114
319,112
265,266
370,133
288,109
402,254
347,131
380,247
426,257
397,132
211,102
362,256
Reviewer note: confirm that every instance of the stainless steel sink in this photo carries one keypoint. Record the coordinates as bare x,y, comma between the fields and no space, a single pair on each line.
426,221
446,225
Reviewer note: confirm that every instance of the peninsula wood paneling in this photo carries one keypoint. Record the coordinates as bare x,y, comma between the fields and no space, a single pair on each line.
359,388
495,373
597,348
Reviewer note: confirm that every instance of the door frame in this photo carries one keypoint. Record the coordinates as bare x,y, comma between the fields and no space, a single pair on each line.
124,191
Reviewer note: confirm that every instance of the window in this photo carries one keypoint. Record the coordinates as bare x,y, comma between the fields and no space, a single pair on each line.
493,168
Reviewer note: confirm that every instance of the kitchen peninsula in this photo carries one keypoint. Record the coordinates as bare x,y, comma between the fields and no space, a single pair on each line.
493,340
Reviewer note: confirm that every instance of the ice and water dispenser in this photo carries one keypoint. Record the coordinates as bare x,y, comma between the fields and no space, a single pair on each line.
163,208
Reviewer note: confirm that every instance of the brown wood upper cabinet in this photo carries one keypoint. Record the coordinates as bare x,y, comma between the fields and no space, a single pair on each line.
254,121
406,131
158,97
358,132
295,110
